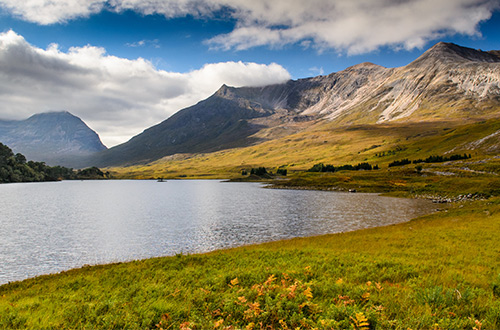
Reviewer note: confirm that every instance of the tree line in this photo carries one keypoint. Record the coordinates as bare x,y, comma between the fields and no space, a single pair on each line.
330,168
16,168
262,171
430,159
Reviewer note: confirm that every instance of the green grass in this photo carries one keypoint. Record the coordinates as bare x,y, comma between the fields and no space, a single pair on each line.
441,271
444,180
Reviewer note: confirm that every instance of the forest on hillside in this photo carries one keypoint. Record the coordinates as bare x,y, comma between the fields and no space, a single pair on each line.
16,168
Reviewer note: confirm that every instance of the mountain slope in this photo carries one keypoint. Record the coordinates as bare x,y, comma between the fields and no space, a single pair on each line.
57,138
221,121
448,82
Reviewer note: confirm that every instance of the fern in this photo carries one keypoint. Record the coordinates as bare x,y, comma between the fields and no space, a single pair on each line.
360,322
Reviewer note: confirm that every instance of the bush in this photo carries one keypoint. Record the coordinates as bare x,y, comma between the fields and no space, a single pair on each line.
330,168
441,159
317,168
281,171
259,171
400,162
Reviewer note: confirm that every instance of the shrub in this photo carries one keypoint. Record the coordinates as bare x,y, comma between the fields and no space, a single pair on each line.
347,167
259,171
400,162
281,171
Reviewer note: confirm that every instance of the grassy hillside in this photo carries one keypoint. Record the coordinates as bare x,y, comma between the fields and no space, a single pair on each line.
435,181
329,144
438,272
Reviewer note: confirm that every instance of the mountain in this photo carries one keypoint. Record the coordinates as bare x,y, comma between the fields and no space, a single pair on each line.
57,138
220,120
447,82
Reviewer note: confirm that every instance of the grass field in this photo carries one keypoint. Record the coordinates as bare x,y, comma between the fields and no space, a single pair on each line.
441,271
445,181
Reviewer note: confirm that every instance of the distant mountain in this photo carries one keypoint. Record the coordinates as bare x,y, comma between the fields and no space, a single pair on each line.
57,138
448,82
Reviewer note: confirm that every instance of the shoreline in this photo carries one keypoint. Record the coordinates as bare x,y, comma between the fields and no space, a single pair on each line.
405,264
430,211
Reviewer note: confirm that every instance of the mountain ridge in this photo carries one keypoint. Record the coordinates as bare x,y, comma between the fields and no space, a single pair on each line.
453,53
447,82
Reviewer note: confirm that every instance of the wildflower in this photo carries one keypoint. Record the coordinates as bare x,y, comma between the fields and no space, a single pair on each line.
308,293
218,323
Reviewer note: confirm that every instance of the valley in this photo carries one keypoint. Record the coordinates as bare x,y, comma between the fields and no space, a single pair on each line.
438,271
446,101
377,144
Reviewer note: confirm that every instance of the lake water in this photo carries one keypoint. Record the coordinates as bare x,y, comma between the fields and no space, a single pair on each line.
50,227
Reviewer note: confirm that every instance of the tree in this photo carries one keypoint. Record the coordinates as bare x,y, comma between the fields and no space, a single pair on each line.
20,158
317,168
259,171
281,171
15,168
5,153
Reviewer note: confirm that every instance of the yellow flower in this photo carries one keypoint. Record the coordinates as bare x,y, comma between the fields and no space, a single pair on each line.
308,293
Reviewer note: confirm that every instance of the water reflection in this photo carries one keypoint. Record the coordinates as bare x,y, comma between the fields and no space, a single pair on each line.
49,227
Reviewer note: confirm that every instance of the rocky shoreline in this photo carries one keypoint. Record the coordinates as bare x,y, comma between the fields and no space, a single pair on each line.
446,199
434,198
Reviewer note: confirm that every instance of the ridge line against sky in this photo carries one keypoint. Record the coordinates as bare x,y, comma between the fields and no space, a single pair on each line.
125,65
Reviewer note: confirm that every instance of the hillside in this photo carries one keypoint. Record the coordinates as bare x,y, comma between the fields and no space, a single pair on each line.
219,121
448,83
57,138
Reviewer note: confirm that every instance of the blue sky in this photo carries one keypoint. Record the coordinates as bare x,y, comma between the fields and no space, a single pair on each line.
178,43
148,59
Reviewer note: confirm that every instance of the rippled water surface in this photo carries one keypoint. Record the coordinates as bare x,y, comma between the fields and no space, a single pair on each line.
49,227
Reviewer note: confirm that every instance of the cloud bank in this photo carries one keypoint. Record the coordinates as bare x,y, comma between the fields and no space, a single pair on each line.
350,26
117,97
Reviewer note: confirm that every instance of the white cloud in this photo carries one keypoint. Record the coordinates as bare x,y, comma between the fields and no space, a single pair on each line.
143,43
52,11
316,71
117,97
352,26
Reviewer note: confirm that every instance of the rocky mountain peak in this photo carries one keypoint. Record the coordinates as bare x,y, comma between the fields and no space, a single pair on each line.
365,65
53,115
449,53
225,91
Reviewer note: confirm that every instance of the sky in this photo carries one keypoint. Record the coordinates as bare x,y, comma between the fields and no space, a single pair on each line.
125,65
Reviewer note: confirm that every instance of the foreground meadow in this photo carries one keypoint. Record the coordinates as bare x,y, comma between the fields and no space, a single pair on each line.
440,271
